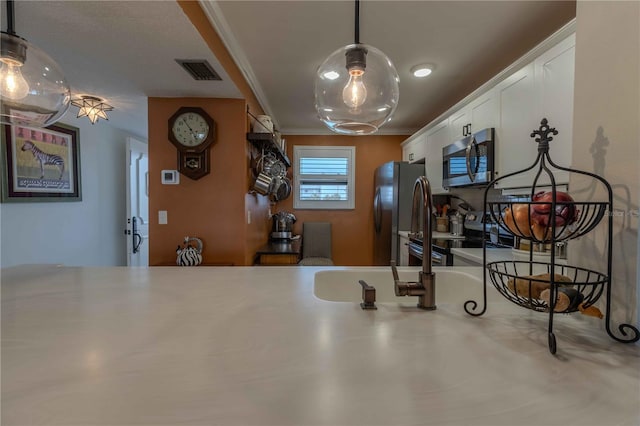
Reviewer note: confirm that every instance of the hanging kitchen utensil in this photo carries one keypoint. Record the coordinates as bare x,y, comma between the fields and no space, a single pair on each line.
281,188
263,184
277,168
264,161
284,190
275,184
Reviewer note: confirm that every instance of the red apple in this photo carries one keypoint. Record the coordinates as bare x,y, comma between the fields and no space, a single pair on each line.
566,212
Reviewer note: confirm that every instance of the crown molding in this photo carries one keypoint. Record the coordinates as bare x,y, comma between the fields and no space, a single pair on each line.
216,18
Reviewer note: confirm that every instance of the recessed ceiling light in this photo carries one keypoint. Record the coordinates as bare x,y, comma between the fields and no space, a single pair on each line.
422,70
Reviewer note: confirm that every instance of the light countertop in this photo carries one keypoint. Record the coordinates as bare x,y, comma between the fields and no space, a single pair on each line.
254,346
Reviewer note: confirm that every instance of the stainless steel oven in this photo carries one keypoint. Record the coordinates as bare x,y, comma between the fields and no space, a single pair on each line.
438,258
469,161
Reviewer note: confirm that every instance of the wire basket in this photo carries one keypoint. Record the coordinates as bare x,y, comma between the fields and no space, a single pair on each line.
521,282
573,219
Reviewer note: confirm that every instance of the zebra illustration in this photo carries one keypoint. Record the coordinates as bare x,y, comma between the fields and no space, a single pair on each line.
44,158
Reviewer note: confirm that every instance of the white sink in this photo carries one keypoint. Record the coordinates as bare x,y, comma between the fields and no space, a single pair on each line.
453,285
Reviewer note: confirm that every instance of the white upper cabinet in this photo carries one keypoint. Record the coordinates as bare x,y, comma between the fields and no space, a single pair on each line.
413,149
515,150
459,123
513,103
478,114
555,71
542,89
437,138
484,112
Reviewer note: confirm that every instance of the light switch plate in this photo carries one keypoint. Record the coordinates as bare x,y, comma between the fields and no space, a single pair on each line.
162,217
170,177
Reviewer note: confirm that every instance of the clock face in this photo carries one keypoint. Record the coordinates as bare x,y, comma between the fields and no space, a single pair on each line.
190,129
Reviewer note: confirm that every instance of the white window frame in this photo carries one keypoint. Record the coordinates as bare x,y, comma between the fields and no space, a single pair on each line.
303,151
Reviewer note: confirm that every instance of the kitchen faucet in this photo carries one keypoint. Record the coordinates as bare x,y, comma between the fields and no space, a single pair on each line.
425,288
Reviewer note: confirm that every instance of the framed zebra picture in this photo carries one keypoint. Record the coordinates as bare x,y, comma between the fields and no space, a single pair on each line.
41,164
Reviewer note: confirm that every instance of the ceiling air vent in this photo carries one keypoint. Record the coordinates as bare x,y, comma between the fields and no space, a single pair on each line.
199,69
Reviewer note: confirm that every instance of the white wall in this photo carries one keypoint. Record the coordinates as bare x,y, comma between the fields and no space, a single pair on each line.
85,233
607,140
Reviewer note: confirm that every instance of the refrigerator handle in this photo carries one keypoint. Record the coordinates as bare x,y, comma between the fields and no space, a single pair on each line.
377,211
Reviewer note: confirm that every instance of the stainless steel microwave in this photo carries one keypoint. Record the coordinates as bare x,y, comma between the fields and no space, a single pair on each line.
469,161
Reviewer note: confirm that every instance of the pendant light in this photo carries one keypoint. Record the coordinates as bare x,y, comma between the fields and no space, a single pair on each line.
356,87
33,89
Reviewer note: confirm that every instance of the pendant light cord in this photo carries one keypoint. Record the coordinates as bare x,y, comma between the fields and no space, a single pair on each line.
357,26
10,18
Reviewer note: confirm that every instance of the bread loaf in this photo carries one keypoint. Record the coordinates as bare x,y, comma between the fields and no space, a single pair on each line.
531,286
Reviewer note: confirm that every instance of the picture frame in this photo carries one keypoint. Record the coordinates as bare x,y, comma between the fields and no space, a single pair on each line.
41,164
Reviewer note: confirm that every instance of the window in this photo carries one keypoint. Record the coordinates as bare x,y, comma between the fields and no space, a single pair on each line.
324,177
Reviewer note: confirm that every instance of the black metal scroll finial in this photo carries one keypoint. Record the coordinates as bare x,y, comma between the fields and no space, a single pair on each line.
543,134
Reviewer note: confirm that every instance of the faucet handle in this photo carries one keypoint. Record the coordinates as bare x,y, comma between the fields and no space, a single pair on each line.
399,287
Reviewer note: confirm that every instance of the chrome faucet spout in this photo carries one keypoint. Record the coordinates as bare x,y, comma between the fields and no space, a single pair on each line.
425,288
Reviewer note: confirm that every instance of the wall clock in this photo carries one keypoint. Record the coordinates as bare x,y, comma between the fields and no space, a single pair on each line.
192,132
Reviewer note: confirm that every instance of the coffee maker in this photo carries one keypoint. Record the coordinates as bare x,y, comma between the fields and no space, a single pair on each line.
282,225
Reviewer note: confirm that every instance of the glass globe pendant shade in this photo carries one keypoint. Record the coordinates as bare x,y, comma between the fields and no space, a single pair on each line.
33,89
356,90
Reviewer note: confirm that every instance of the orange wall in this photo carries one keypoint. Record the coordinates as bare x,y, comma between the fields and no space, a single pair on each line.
352,230
257,205
210,208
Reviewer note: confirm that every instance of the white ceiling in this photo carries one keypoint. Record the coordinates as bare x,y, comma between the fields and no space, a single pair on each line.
125,51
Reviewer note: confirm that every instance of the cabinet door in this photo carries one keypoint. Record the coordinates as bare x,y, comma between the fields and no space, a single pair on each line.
483,112
414,150
406,151
420,148
457,124
515,150
554,72
436,138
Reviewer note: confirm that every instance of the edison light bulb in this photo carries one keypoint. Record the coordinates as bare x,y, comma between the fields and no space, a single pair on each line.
12,83
354,93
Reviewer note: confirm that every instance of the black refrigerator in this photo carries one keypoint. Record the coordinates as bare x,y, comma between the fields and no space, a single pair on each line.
393,183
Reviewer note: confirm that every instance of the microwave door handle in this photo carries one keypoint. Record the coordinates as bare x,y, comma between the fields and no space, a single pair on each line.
468,158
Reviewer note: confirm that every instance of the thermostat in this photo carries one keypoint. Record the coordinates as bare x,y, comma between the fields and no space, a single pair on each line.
170,177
